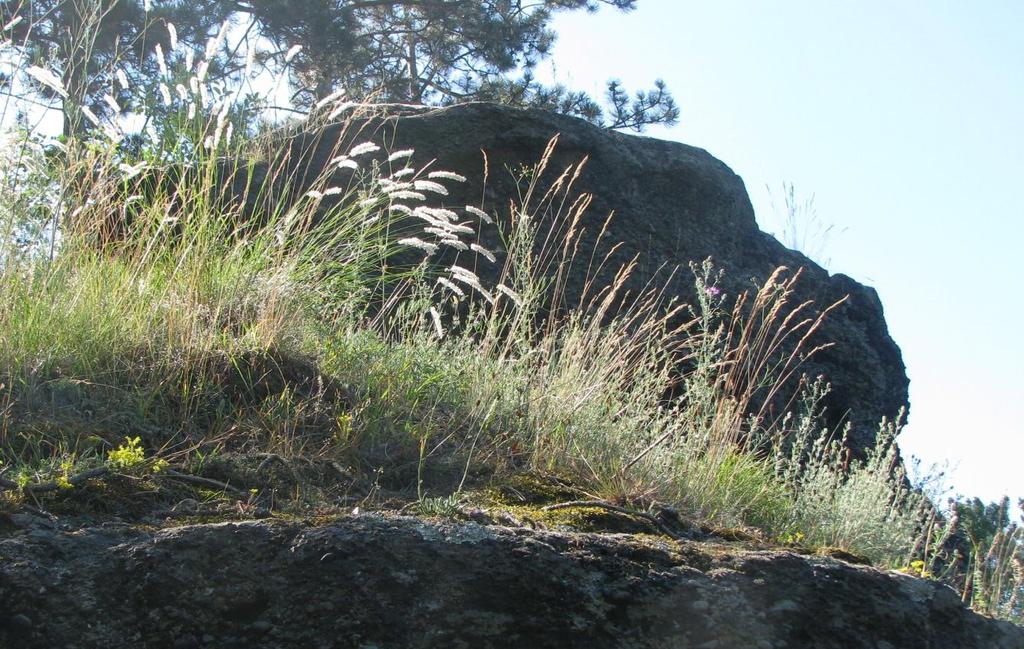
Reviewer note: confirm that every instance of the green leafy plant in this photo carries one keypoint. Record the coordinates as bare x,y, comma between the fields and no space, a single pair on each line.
128,455
444,507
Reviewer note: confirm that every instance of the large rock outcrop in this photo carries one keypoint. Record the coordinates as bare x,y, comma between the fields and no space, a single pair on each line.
380,581
673,204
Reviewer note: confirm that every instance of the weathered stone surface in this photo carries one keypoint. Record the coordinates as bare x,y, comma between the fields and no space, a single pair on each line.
399,582
673,204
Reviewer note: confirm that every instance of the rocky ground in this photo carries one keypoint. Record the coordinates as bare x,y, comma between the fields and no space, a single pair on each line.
475,577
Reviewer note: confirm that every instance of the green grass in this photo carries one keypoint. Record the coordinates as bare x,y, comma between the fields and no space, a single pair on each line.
199,336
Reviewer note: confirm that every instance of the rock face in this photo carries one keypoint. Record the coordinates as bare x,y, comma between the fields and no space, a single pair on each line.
389,582
673,204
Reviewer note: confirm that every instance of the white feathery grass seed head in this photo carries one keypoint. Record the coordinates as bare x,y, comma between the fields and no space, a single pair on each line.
431,221
130,171
172,33
160,60
470,279
182,91
480,250
458,227
89,115
362,149
442,214
427,215
388,185
165,94
348,163
476,286
437,230
451,286
11,23
340,108
337,94
292,53
436,317
415,242
113,133
398,155
482,215
459,271
122,79
214,43
430,186
512,295
401,173
402,209
225,109
453,243
405,195
48,79
110,101
450,229
446,175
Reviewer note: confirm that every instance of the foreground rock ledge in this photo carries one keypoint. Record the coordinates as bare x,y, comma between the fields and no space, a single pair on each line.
383,581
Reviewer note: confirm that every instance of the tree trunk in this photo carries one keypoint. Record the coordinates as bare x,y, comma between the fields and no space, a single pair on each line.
415,93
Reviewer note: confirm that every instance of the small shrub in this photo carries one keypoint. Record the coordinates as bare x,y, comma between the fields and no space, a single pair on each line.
127,456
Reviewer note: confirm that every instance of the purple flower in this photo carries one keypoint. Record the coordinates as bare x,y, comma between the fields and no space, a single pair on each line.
713,291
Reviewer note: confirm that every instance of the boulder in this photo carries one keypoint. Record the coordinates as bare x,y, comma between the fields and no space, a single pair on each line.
389,581
673,204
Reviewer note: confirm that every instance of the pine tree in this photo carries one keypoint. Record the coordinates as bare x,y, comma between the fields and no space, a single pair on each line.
441,52
85,42
436,52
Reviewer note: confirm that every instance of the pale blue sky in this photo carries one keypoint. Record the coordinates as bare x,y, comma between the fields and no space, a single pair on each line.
905,120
